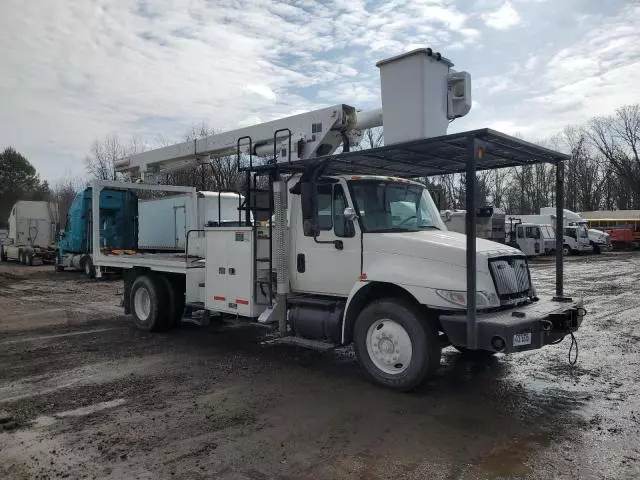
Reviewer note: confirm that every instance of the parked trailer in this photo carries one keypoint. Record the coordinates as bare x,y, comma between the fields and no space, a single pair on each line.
31,233
344,261
118,229
163,223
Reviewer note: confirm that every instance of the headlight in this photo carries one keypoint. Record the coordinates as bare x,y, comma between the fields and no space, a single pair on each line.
483,299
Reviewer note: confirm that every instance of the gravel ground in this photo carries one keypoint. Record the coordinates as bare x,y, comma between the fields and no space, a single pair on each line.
85,395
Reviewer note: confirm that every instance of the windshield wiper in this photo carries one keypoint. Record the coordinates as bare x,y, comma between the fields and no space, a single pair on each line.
429,226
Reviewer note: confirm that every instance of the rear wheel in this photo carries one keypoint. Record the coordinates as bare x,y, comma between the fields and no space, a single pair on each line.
88,268
394,346
566,251
596,248
149,303
29,260
3,255
176,300
22,258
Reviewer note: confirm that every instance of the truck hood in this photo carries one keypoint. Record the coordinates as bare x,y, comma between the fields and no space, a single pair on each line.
437,245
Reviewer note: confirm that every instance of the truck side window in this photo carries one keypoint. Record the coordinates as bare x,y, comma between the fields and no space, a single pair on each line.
533,232
323,207
342,226
520,231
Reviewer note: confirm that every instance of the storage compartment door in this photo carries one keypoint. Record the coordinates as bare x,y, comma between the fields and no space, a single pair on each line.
216,272
240,271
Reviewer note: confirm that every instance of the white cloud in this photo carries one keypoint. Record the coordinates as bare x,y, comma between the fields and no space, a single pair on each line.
153,68
261,90
503,18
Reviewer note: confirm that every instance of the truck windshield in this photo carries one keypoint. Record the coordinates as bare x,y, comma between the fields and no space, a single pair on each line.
387,206
547,231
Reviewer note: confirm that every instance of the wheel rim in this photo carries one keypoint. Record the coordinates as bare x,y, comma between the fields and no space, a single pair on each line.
87,268
142,304
389,346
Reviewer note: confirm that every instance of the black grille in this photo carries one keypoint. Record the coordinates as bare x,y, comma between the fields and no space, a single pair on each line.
511,278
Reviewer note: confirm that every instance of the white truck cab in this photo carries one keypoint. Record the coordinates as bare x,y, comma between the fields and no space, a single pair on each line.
576,239
403,240
532,239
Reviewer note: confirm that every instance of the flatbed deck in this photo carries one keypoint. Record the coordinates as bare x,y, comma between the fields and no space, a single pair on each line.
163,262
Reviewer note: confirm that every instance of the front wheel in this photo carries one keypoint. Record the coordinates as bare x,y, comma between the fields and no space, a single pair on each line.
596,248
566,251
394,346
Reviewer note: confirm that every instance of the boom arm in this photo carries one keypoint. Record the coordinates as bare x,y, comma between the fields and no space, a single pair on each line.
315,133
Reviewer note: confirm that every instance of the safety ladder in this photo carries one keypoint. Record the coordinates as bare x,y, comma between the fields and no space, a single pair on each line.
263,275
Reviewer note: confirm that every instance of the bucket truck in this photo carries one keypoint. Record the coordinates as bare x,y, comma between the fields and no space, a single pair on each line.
356,251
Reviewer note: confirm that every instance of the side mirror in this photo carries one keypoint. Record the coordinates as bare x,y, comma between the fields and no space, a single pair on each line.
447,215
350,214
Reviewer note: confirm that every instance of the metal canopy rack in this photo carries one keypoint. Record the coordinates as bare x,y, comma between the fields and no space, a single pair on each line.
465,152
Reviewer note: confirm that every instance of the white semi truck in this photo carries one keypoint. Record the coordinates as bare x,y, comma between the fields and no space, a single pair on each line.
31,235
356,251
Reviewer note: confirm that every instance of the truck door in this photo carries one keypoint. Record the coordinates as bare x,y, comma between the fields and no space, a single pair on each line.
320,266
529,239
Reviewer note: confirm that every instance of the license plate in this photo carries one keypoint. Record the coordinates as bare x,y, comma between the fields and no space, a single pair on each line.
521,339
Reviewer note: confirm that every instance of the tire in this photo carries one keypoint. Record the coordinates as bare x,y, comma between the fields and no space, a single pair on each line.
596,248
88,268
149,303
566,251
176,300
399,324
3,256
29,260
22,258
59,268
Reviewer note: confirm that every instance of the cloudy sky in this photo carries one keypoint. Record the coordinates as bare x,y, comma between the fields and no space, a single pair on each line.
74,71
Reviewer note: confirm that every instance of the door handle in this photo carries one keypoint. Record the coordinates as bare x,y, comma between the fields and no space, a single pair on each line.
300,263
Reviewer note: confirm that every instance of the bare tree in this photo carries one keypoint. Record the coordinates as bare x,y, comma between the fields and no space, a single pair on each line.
217,174
371,138
101,162
63,194
617,139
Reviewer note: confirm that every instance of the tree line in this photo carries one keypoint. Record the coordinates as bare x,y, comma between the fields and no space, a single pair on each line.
602,174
